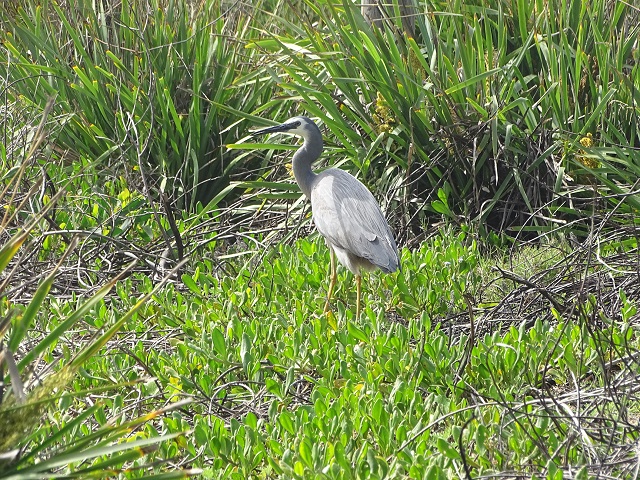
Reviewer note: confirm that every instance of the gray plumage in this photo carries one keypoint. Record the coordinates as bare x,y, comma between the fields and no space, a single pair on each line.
344,210
348,217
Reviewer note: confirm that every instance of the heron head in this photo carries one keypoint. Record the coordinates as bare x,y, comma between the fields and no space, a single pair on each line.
301,126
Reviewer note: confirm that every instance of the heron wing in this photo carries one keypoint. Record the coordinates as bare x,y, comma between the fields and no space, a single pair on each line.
348,216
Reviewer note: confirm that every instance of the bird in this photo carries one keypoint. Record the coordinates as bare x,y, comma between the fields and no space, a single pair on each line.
344,211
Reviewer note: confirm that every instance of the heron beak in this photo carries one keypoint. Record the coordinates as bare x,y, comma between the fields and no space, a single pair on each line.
283,127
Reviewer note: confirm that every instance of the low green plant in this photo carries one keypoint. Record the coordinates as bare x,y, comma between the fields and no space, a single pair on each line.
280,389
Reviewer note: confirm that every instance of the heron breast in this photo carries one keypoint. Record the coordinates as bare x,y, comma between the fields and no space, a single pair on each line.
354,263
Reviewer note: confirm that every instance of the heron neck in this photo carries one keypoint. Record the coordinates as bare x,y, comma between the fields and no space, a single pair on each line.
302,161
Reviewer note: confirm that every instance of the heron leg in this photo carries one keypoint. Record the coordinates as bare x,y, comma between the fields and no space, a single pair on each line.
358,294
334,277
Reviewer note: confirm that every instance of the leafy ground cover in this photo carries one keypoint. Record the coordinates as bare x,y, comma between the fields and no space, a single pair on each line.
281,389
441,377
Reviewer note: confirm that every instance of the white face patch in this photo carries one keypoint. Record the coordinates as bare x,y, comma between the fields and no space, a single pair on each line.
298,126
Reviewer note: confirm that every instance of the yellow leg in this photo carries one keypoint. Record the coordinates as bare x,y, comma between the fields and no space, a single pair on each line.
334,277
358,294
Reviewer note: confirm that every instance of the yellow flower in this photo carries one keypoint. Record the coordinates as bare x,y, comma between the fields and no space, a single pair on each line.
383,115
587,140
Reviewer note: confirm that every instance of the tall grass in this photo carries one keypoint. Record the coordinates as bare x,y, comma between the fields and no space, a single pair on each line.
484,114
490,114
146,77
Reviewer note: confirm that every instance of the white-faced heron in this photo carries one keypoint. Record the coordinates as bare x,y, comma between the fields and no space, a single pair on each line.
344,210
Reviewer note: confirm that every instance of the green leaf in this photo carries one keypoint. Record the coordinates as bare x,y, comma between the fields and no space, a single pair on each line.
305,452
219,343
447,450
284,419
191,284
357,333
